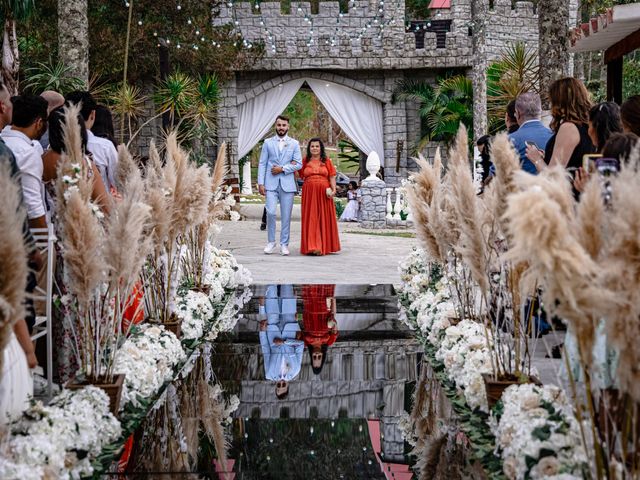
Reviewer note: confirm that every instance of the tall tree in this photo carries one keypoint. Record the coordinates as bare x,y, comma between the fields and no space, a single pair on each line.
479,13
553,29
12,11
73,37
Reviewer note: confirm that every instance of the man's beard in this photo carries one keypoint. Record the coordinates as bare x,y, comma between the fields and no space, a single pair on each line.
282,133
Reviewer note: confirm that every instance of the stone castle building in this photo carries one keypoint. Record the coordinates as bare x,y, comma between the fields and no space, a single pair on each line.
366,46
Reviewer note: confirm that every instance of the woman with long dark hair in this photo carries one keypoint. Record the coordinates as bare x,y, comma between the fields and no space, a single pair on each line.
319,322
570,106
319,223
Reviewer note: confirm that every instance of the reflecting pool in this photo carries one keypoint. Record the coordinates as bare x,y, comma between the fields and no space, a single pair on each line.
323,374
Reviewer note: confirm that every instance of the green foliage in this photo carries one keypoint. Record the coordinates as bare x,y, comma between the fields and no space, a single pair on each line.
175,95
417,9
442,107
349,153
152,20
516,72
631,78
339,207
51,76
302,112
19,10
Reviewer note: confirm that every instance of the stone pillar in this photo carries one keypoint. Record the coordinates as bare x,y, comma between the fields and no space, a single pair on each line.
395,134
374,207
228,125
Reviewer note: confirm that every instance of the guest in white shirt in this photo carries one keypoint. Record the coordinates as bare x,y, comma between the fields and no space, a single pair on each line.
103,151
54,100
28,123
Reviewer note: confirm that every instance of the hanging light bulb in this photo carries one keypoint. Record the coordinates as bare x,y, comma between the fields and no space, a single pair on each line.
140,22
179,7
189,22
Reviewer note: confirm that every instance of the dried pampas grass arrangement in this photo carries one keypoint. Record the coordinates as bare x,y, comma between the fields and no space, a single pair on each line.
420,193
471,245
13,255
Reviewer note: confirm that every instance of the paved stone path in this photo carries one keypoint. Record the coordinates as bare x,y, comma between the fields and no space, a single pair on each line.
364,258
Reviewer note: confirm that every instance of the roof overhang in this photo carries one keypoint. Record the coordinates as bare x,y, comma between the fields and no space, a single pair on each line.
606,30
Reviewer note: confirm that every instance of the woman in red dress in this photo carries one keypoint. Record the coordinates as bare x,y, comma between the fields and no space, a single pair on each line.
319,322
319,222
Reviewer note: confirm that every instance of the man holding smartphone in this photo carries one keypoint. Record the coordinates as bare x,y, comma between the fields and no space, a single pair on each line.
532,131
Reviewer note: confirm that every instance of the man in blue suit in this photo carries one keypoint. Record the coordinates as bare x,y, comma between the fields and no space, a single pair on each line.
280,334
280,157
528,112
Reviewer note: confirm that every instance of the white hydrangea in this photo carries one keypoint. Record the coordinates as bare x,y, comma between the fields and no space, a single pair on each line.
148,359
195,310
78,420
525,428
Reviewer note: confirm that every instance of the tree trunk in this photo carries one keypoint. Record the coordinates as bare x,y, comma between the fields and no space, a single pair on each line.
10,57
73,38
553,29
479,70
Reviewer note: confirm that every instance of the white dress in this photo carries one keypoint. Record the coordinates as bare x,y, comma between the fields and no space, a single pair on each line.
16,383
350,213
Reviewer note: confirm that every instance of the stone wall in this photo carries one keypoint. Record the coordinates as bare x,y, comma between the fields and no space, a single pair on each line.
509,23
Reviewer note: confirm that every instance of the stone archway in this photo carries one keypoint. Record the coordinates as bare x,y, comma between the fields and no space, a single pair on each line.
240,90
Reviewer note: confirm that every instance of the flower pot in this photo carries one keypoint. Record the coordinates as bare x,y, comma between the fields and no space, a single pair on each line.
495,387
206,289
113,390
174,326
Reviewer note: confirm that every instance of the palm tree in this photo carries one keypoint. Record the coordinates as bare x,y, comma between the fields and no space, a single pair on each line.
73,37
442,107
516,72
553,29
12,11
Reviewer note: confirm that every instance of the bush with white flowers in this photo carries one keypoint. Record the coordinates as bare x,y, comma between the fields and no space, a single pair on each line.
148,359
195,310
537,434
59,440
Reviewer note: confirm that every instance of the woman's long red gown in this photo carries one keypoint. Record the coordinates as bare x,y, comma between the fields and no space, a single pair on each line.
319,222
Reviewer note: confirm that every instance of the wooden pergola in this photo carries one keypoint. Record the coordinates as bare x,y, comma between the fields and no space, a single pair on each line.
617,33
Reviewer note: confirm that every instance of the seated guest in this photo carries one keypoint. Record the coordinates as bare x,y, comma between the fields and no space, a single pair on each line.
620,146
103,151
604,121
29,122
532,131
510,118
103,125
54,100
630,115
51,158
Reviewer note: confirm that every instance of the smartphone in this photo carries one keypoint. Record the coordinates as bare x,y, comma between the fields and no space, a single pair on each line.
607,166
529,143
589,162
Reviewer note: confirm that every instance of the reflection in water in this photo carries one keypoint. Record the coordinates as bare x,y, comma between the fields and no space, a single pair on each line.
330,413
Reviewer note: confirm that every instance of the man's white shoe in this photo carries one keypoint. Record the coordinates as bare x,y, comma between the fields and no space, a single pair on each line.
284,250
270,248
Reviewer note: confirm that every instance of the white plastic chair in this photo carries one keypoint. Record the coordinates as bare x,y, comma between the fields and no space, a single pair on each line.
45,239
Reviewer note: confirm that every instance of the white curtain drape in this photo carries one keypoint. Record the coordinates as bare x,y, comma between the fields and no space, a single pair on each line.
256,116
359,115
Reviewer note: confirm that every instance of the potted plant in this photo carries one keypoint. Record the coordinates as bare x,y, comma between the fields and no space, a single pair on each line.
102,260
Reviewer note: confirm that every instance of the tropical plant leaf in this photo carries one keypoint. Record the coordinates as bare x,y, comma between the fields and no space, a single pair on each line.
52,76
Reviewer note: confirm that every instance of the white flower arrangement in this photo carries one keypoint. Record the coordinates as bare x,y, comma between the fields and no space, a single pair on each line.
222,269
538,435
148,359
60,440
195,310
465,355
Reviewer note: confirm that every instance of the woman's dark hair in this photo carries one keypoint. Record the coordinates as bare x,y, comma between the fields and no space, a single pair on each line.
354,184
605,120
324,350
56,137
620,146
511,113
570,102
630,114
323,154
103,125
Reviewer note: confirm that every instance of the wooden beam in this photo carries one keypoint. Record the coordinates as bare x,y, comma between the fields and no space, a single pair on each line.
627,45
614,80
